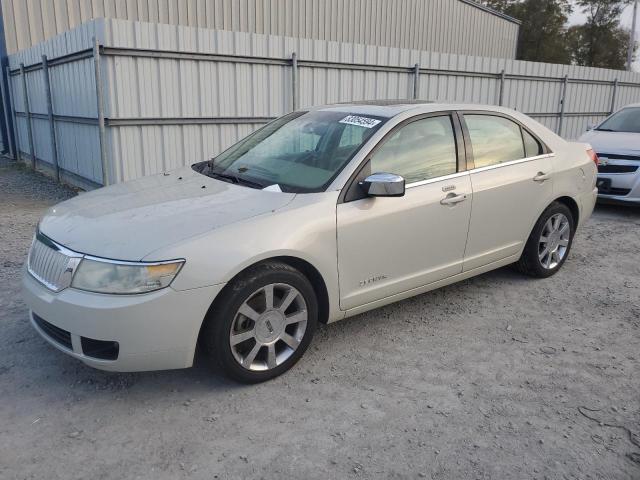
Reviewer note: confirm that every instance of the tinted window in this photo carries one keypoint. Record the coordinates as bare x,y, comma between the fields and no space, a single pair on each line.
352,135
418,151
532,147
494,140
300,152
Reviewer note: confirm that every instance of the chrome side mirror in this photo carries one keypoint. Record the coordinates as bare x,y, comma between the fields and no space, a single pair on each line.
383,185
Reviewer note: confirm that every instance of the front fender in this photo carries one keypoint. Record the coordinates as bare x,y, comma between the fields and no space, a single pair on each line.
305,229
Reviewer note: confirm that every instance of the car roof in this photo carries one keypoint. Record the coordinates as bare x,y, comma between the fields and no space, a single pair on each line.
391,108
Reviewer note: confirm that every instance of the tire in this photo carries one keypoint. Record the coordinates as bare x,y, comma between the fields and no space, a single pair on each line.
530,262
264,344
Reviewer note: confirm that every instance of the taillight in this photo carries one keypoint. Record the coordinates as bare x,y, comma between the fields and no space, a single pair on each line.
594,156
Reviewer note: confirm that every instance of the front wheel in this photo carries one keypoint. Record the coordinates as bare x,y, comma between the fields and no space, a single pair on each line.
263,323
549,243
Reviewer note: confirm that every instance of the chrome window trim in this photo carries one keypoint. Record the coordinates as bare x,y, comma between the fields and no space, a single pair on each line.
512,162
477,170
437,179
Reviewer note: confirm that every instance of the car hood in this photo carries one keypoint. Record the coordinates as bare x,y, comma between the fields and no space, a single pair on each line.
130,220
613,142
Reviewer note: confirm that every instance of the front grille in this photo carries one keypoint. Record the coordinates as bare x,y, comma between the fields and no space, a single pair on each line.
50,264
617,168
56,334
617,156
620,192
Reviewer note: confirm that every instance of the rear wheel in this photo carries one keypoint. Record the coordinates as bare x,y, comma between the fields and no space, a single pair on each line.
263,323
549,243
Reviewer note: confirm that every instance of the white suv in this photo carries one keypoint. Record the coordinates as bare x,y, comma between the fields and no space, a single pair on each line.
318,216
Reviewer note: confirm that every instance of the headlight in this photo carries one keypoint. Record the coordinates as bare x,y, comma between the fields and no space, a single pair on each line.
106,276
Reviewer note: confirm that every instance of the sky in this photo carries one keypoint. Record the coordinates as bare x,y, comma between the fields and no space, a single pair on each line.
578,17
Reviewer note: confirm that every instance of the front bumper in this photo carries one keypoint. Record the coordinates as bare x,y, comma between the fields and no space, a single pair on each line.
621,187
153,331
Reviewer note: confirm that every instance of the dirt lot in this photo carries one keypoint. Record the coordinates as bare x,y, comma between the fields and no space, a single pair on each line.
483,379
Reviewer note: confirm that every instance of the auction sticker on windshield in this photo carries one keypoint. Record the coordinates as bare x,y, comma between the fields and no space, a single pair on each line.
360,121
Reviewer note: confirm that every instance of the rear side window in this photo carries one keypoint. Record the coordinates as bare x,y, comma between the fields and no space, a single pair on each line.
495,140
419,151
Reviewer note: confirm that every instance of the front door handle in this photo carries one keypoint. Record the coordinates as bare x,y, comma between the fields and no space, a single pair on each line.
452,199
541,177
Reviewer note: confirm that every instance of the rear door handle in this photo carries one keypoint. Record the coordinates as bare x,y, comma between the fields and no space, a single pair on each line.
452,199
541,177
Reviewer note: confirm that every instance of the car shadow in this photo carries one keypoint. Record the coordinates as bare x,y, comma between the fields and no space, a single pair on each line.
203,377
618,210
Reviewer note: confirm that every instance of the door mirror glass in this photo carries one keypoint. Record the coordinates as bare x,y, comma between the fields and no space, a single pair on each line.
383,185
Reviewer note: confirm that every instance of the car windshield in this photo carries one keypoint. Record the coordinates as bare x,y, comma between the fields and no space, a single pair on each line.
626,120
301,152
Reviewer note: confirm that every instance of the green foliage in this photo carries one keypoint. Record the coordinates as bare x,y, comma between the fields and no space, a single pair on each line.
600,42
544,36
542,33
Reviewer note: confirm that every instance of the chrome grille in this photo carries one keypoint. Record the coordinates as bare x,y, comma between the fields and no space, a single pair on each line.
51,264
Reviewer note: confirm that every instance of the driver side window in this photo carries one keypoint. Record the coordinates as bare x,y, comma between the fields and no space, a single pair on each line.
419,151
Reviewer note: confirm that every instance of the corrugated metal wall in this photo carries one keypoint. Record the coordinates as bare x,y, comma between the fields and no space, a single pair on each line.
451,26
73,95
176,95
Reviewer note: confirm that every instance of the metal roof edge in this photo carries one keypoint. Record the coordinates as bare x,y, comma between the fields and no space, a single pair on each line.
474,3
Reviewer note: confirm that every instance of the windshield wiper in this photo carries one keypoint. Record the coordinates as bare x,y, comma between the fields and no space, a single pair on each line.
230,178
210,169
604,130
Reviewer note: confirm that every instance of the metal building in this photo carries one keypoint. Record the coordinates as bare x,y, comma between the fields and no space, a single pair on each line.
445,26
117,97
113,100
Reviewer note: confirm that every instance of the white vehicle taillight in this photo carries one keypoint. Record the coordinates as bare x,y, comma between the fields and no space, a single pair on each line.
594,156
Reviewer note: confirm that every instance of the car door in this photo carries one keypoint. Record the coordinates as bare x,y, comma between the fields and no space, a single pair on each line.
512,181
391,245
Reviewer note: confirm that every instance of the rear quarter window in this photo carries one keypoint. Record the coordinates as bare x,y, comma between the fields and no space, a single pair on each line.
532,147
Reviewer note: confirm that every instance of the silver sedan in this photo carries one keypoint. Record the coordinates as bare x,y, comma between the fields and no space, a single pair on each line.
617,143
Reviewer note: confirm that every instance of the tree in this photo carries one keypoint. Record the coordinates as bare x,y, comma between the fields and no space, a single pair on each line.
600,42
499,5
543,32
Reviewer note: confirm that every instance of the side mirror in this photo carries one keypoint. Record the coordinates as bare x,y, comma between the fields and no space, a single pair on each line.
591,126
383,185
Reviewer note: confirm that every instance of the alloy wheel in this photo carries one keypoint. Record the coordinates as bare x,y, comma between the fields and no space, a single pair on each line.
268,327
554,241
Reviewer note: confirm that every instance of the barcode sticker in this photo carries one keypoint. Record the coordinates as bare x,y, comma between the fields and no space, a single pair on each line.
360,121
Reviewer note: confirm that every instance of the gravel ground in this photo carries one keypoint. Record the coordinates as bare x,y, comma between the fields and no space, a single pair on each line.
483,379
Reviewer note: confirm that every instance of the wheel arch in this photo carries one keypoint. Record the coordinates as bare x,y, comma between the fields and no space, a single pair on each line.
572,205
304,266
566,200
316,279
